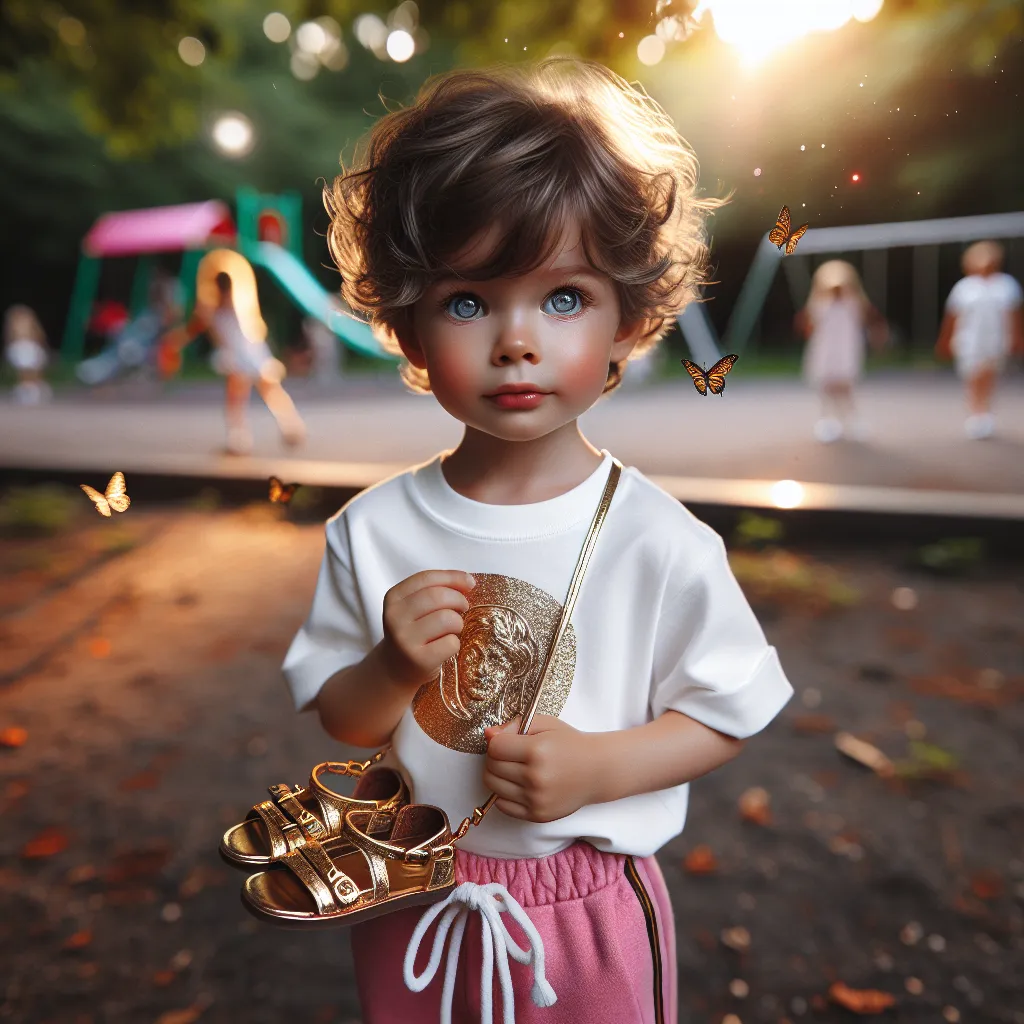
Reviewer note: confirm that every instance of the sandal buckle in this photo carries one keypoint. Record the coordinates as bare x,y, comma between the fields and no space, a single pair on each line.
419,857
443,853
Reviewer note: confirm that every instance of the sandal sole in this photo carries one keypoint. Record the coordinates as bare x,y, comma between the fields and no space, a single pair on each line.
347,920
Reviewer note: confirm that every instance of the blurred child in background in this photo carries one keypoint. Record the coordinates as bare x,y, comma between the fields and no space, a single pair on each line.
25,350
227,308
982,327
837,321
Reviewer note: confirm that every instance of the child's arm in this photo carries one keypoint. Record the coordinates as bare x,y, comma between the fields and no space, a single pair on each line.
944,346
1017,331
363,703
556,769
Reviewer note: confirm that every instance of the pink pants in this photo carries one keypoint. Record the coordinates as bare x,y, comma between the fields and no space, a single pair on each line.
608,934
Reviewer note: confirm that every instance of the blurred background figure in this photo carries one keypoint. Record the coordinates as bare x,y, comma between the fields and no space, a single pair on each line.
983,326
227,308
325,353
838,320
132,342
26,351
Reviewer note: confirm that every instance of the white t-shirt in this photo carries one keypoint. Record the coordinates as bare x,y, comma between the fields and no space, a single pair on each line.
982,306
660,623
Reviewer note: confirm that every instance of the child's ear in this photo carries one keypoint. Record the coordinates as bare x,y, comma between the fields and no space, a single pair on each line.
405,334
626,338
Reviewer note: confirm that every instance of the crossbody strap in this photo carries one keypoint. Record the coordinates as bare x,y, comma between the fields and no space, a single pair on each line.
570,600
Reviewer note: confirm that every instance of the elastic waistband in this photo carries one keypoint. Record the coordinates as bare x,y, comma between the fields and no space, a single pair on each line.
571,874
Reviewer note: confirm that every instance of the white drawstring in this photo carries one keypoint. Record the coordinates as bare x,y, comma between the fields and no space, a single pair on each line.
491,900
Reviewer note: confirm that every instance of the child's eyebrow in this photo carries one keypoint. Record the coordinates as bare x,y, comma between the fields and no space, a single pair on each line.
575,270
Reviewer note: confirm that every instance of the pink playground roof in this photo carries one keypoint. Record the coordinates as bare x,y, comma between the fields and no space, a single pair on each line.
161,229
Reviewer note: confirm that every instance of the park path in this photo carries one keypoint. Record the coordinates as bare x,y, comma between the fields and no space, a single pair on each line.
148,685
760,429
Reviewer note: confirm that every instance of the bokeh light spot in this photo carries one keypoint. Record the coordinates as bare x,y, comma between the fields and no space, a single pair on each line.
650,50
787,494
276,27
233,134
757,172
401,45
192,51
71,31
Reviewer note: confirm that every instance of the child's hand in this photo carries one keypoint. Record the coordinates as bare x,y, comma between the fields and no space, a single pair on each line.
544,775
422,624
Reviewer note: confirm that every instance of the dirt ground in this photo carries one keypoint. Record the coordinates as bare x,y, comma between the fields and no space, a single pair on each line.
141,658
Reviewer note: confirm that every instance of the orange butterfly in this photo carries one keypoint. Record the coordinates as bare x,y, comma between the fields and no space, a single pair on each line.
712,380
281,493
780,236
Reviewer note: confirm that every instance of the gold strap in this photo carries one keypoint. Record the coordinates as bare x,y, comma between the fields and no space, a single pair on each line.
570,600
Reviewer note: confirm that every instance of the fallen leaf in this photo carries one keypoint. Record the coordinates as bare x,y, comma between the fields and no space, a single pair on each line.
49,842
737,938
814,725
13,736
142,780
867,1001
99,647
700,861
79,940
80,874
131,865
755,806
163,978
187,1016
987,884
864,753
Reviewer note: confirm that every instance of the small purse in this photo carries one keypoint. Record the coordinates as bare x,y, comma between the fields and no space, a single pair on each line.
415,864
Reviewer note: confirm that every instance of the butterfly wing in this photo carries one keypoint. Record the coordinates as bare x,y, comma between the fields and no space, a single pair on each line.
117,493
778,234
716,375
288,492
794,238
276,489
102,506
700,378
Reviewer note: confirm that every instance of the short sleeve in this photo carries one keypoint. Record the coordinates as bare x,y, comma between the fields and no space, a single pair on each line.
711,659
958,295
336,633
1014,295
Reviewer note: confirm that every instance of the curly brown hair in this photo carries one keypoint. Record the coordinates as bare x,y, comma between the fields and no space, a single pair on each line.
530,148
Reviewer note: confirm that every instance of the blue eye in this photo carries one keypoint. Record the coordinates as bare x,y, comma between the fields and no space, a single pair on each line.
463,307
564,302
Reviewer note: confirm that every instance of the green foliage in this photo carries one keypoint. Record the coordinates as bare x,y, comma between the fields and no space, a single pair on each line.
926,761
45,509
753,530
951,556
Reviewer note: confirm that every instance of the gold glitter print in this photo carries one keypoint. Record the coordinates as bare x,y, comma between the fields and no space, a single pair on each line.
505,637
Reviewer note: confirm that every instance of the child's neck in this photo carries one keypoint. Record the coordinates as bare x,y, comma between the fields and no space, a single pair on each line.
494,471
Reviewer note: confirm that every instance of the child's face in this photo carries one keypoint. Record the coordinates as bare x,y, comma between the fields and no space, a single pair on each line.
557,327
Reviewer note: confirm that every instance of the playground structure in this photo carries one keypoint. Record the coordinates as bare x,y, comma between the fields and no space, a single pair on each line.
268,235
873,242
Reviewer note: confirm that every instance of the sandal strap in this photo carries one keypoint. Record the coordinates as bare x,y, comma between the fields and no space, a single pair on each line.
437,847
330,888
333,888
283,833
333,806
308,823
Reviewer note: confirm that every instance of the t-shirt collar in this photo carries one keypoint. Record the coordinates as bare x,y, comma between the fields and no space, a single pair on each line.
435,496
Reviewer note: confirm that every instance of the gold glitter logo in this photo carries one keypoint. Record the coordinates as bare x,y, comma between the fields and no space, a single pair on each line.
505,637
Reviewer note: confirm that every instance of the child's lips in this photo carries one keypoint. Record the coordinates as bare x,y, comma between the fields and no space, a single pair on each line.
518,399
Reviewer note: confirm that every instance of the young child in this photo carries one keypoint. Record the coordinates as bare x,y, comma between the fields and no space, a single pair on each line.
227,307
837,321
519,234
25,351
983,325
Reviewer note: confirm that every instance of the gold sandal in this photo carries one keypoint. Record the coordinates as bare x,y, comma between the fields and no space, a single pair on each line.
314,886
296,816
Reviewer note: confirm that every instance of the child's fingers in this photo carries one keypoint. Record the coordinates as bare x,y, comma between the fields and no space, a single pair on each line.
504,789
421,603
513,809
511,772
431,578
508,746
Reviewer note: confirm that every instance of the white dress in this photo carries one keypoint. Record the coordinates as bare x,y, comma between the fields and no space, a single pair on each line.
237,354
982,306
835,350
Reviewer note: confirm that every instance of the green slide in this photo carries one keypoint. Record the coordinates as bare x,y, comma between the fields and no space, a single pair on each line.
312,298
